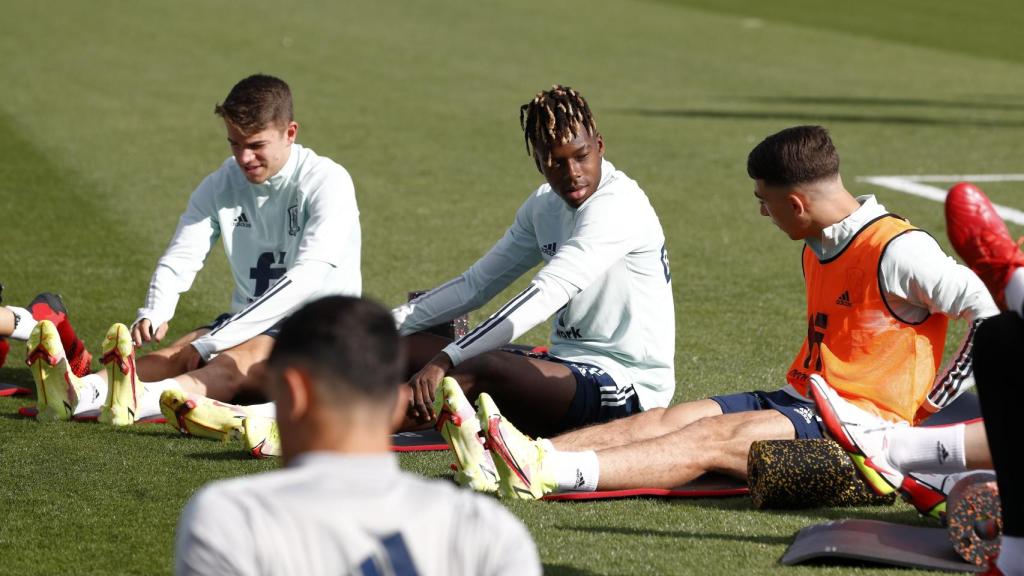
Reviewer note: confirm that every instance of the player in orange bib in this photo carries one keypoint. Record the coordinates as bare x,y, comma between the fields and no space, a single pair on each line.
880,293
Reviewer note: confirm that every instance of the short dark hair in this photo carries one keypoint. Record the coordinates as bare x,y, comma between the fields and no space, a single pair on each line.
256,103
797,155
349,345
554,117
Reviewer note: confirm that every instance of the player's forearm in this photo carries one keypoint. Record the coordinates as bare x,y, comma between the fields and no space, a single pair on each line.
451,299
530,307
299,285
178,266
955,377
165,288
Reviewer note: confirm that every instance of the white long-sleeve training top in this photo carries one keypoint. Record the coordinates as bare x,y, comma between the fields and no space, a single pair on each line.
606,281
288,240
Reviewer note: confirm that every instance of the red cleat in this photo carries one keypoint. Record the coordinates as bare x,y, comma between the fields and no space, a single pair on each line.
49,306
981,238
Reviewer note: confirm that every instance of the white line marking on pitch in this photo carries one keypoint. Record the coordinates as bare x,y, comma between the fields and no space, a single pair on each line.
913,185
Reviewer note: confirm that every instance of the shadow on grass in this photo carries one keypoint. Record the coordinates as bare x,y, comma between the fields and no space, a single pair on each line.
681,534
12,416
564,570
818,117
236,455
1012,103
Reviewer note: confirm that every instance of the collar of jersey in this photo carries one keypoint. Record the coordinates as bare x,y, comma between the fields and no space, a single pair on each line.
835,237
373,465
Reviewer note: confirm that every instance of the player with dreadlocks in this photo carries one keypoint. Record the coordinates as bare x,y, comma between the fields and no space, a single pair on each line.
605,281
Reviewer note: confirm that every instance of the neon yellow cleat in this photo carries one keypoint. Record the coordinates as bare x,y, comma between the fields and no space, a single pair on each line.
123,387
460,427
262,437
194,415
518,459
56,384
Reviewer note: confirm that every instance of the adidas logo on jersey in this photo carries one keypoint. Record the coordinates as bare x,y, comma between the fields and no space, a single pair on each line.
844,299
549,249
242,221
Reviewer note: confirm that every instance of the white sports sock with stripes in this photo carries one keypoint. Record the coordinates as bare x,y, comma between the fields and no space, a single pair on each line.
1014,292
575,471
937,449
23,323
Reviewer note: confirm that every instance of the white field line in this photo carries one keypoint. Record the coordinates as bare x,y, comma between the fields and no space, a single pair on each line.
912,185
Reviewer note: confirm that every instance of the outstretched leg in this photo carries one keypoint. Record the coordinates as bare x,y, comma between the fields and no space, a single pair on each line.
543,396
646,425
715,444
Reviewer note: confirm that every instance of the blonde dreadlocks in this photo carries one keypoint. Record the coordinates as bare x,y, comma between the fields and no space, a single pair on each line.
554,117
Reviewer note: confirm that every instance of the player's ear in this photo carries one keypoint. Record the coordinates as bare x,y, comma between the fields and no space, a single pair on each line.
297,387
291,131
797,204
600,145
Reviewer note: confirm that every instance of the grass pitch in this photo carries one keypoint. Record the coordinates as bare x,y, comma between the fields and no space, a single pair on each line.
106,126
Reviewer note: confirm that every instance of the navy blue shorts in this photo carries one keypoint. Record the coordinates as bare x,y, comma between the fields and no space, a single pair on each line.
598,398
800,411
273,331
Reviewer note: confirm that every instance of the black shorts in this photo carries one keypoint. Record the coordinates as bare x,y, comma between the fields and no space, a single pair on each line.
800,411
219,321
598,397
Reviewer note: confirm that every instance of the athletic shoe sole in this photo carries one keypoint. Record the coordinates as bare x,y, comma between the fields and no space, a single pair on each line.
124,389
50,370
463,438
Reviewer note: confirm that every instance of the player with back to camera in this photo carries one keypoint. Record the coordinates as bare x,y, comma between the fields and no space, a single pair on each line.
341,505
289,224
879,296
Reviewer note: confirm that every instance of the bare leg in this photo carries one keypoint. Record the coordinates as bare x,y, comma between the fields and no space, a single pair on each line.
716,444
976,447
643,426
228,374
6,322
167,362
533,393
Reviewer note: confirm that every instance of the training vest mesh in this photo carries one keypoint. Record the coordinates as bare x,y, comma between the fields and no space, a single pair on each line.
874,359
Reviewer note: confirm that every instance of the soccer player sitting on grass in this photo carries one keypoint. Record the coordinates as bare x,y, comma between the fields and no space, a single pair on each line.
925,463
879,296
605,282
342,505
290,229
605,279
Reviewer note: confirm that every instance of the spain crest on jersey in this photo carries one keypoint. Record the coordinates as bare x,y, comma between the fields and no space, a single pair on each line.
293,220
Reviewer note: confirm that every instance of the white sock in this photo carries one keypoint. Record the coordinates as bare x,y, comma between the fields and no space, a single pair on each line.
23,323
1014,292
92,392
939,449
267,410
1011,556
149,402
575,471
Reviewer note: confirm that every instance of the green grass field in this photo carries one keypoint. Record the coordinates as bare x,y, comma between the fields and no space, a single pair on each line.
106,126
